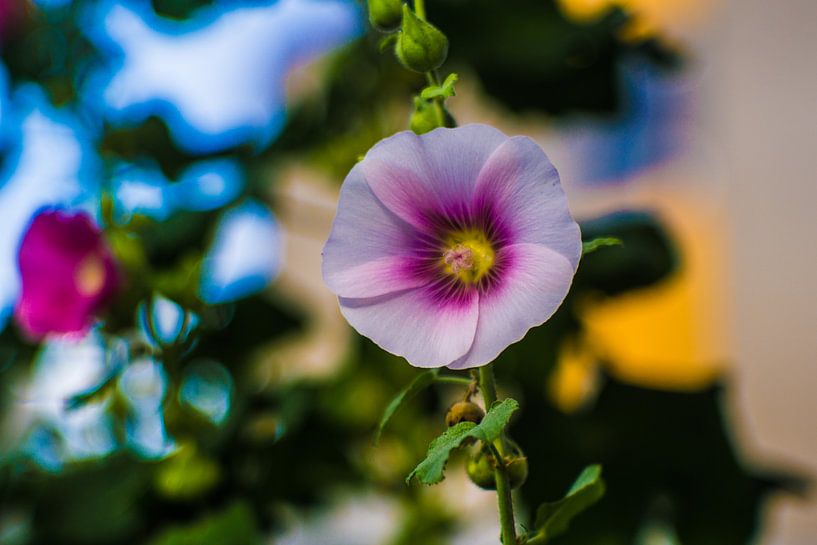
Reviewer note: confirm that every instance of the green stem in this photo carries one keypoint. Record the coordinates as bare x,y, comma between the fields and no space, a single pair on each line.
420,9
487,385
537,539
454,380
432,77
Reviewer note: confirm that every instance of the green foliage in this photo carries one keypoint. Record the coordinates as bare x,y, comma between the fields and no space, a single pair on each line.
430,470
553,518
235,525
422,381
646,255
666,456
187,474
536,59
421,47
591,246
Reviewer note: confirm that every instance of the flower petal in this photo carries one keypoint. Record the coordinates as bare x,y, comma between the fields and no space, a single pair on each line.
522,186
534,284
414,176
425,330
364,256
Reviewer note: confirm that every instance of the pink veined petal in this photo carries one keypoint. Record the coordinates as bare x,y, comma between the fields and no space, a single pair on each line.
379,277
532,288
522,186
413,324
366,249
414,176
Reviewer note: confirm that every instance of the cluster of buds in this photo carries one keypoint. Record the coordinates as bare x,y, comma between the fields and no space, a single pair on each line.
420,47
482,465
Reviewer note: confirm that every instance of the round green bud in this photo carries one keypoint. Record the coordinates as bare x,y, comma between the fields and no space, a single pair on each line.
425,117
420,46
385,15
464,411
481,471
517,468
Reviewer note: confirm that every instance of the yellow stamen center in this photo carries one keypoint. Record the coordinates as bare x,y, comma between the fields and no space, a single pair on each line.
90,275
468,255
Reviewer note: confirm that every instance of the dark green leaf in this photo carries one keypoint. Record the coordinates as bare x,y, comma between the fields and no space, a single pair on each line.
422,381
430,470
592,245
553,518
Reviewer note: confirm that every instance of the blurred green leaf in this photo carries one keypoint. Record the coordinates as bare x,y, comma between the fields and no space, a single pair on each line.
430,470
600,242
646,256
234,526
422,381
553,518
187,474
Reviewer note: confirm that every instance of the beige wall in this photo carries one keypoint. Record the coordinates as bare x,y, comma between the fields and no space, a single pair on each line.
760,100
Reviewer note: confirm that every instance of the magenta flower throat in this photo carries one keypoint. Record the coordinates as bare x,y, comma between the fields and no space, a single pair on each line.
448,247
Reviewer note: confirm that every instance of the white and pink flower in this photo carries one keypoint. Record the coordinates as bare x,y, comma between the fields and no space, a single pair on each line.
450,246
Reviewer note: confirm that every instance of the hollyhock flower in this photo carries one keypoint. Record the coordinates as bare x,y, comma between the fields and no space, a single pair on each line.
448,247
67,272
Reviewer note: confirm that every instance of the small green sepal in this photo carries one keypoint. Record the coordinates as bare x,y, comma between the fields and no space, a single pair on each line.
446,90
591,246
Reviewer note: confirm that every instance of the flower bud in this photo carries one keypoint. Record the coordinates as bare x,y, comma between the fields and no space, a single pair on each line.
68,274
385,15
425,117
517,468
481,470
420,46
464,411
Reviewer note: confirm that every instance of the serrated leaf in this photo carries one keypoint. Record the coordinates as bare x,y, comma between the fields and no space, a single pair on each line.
430,470
553,518
421,381
592,245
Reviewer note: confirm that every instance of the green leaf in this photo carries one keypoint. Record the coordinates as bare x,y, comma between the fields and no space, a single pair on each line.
430,470
553,518
236,525
592,245
423,380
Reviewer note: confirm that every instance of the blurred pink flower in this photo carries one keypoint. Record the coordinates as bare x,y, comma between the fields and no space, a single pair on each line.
448,247
67,273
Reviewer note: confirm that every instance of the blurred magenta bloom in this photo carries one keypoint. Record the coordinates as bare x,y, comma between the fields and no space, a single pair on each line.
50,163
67,272
450,246
218,78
